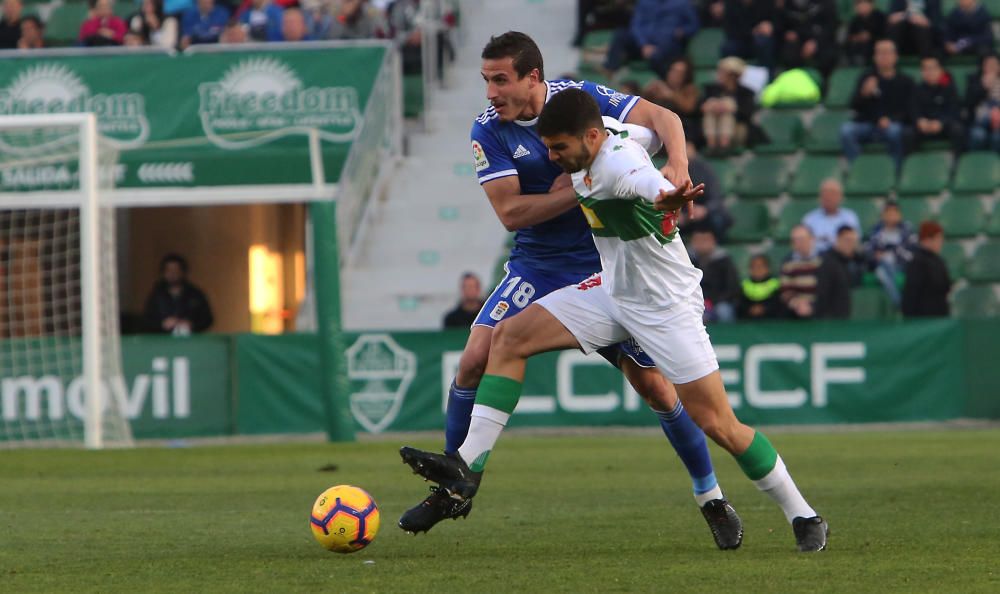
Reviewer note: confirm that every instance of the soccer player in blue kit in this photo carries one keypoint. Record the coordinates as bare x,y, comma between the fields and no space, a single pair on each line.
554,248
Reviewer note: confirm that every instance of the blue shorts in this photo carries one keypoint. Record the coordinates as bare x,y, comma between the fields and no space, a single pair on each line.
522,286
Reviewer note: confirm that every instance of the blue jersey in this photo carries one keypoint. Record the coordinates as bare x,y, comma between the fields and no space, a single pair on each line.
502,149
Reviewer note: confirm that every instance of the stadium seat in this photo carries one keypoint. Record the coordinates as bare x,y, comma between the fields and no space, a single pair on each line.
63,26
960,74
992,227
870,175
704,76
784,129
791,215
868,212
916,211
961,218
777,254
984,265
810,173
953,255
870,303
703,49
763,177
977,172
823,134
727,171
993,6
975,302
925,173
840,87
750,222
740,255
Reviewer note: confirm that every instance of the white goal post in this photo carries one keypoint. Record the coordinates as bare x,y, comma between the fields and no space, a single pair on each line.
59,339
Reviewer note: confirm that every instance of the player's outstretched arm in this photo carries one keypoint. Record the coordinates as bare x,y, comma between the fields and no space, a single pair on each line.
670,130
671,200
517,211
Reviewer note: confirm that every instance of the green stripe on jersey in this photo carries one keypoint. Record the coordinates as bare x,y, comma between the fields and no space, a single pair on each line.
627,219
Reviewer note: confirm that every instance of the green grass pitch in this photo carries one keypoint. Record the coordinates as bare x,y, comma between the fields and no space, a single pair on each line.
910,511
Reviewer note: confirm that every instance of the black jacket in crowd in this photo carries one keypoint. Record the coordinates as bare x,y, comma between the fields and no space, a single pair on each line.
720,281
895,99
937,102
741,16
925,291
191,305
833,287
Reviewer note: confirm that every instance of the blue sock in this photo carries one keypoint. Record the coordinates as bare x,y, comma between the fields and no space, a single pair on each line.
458,416
689,442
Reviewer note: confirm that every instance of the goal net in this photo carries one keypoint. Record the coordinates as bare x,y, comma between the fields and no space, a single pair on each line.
61,381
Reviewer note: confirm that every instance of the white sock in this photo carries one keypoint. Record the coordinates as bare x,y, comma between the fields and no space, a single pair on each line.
702,498
780,486
484,431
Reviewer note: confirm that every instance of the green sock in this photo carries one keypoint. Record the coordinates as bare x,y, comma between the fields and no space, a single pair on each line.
759,459
501,393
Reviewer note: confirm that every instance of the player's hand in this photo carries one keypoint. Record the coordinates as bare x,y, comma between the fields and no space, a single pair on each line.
676,174
681,195
563,181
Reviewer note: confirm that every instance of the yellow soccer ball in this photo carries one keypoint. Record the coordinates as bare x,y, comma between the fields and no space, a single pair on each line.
344,519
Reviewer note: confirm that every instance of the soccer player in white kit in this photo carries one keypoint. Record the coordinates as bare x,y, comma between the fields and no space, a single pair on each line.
648,290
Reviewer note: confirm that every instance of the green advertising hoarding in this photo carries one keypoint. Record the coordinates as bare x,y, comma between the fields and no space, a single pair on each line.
195,119
782,373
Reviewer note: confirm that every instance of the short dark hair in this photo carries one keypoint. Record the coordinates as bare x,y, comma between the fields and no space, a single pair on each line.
844,229
929,229
172,257
572,112
763,257
34,19
519,47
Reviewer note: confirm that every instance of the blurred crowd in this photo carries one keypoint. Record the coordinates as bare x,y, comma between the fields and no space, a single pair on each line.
182,23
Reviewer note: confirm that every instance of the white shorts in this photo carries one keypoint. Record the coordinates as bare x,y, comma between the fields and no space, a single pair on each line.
674,338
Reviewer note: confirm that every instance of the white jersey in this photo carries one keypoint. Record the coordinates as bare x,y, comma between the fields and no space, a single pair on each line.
645,263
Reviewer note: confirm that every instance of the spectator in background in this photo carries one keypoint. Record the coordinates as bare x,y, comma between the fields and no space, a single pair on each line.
402,16
761,292
177,8
233,33
809,34
982,103
600,14
720,281
889,248
749,28
677,92
925,292
203,23
658,33
727,108
469,304
32,33
830,216
102,27
294,26
176,306
866,26
711,13
710,210
913,25
968,30
799,275
354,20
153,26
882,104
833,279
936,106
10,24
262,20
